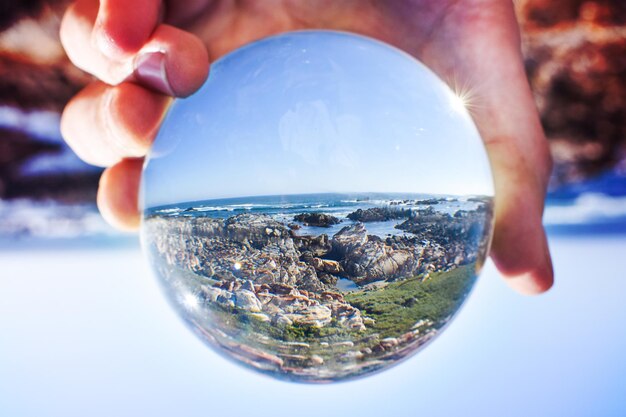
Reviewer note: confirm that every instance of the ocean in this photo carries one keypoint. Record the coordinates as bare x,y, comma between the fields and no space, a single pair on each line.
283,208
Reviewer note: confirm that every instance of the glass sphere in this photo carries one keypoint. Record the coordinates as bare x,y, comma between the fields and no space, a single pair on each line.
320,208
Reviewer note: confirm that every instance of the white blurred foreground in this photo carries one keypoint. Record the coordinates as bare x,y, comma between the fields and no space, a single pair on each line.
87,333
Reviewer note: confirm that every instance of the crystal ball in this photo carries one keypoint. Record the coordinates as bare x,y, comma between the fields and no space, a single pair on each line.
320,209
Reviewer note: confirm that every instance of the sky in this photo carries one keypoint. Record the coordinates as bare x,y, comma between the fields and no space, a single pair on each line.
311,112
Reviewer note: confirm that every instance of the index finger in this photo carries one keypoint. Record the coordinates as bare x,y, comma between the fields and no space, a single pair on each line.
100,39
120,31
158,56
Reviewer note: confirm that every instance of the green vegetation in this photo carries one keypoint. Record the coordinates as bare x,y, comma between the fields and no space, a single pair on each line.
401,304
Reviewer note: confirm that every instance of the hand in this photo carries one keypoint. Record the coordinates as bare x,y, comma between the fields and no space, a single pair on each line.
144,51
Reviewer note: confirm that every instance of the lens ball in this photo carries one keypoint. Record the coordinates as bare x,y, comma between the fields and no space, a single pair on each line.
320,209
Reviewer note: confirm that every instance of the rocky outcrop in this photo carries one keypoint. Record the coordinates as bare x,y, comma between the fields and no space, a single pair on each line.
246,246
462,238
316,219
317,246
257,248
367,258
284,305
379,214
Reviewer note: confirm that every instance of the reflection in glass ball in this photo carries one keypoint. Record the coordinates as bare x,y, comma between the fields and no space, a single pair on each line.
320,209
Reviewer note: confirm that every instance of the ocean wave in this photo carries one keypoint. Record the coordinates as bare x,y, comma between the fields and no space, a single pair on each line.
588,208
258,207
212,208
170,210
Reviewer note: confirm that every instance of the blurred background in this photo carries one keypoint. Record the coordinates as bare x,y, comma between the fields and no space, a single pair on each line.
82,324
575,59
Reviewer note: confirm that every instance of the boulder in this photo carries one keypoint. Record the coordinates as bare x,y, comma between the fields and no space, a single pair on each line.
318,246
316,219
326,265
349,238
379,214
281,320
368,258
247,300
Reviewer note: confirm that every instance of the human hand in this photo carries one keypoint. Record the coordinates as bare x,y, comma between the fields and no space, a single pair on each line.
146,53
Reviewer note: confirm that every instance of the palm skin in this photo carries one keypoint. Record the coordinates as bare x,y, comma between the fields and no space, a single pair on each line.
472,44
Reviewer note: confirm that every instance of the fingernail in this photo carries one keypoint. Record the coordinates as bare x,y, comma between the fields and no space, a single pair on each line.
150,71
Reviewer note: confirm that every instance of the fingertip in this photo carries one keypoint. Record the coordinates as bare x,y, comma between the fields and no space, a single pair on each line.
134,116
529,272
173,62
118,194
533,282
186,79
120,31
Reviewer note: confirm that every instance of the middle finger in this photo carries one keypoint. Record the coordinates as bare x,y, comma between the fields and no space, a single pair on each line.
104,124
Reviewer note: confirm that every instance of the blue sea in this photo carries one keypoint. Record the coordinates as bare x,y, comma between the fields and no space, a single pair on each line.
283,208
593,207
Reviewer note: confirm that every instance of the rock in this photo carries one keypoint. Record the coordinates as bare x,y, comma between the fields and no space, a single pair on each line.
316,246
349,238
430,201
355,323
295,360
368,321
248,301
328,279
316,219
351,356
422,323
406,337
211,293
298,345
248,285
317,316
368,258
389,342
225,300
326,265
261,317
379,214
316,360
245,247
254,228
451,240
282,320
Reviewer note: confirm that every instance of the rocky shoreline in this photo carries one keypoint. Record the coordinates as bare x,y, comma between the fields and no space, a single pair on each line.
270,277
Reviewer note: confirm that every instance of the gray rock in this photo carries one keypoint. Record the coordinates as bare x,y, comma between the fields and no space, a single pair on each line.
349,238
369,258
316,246
282,320
248,301
225,300
316,219
379,214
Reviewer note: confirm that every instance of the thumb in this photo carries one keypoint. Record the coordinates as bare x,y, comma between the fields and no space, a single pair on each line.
509,124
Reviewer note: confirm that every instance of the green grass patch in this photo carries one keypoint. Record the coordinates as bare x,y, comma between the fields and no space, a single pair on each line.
400,305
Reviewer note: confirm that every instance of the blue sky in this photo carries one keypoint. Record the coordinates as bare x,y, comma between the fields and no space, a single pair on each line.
316,112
